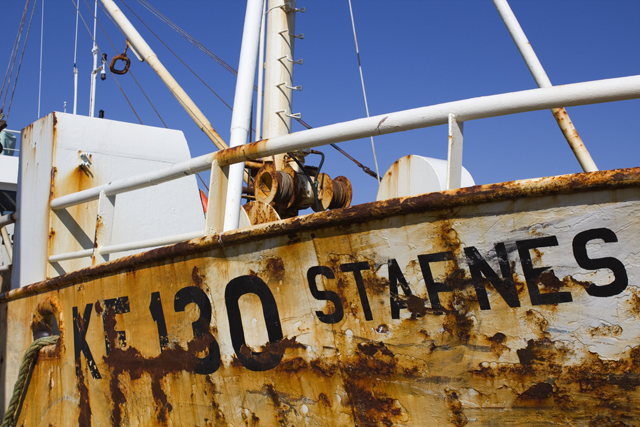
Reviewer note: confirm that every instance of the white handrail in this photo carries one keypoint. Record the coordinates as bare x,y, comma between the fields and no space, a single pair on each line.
131,246
593,92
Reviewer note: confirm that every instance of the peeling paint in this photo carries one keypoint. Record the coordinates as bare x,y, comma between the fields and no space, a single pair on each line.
480,335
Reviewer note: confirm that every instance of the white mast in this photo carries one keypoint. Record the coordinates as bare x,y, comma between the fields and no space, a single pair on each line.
94,73
75,67
260,74
241,118
279,64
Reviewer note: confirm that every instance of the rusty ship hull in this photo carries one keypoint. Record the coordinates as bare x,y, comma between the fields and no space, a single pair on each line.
506,304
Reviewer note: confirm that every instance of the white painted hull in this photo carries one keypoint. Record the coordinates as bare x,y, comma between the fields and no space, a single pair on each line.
240,329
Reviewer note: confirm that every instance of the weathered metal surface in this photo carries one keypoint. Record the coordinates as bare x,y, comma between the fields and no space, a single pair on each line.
342,193
113,150
5,279
260,213
508,304
471,109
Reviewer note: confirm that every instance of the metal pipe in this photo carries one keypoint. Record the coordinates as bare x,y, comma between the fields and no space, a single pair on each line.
242,105
8,219
160,241
7,242
260,74
131,246
143,49
593,92
542,80
178,170
71,255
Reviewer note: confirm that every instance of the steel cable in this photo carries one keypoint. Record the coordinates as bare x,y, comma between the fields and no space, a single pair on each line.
180,59
13,56
91,35
226,66
24,45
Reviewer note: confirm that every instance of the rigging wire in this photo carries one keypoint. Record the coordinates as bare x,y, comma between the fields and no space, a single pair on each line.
12,58
192,40
373,148
131,72
184,34
185,64
198,122
15,82
364,168
132,75
202,181
180,59
92,38
229,68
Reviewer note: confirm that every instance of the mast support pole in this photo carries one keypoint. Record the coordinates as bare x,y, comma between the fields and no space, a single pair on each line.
542,80
278,75
242,106
145,51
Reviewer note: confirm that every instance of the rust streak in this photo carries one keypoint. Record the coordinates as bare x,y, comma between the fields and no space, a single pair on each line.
602,180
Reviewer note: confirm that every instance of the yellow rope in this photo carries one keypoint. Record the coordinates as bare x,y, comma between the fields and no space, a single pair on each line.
22,376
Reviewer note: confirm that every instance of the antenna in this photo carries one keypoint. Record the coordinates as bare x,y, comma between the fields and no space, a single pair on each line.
75,66
94,73
41,39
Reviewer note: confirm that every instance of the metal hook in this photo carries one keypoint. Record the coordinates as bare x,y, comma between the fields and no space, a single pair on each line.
287,8
298,88
299,61
293,116
295,36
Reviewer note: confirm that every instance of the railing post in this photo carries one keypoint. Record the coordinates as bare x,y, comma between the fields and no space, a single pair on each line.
214,223
104,227
542,80
454,160
7,242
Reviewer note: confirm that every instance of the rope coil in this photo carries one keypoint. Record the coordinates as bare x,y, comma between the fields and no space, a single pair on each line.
25,367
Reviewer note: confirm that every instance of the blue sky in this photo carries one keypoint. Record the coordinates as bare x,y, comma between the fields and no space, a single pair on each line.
414,53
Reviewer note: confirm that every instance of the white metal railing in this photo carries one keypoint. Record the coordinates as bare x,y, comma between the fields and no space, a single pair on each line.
456,112
123,247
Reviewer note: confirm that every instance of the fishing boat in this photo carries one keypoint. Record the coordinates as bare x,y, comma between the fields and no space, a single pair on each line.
440,303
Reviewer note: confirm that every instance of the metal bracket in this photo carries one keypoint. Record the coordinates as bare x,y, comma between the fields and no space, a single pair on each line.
298,88
135,52
454,160
299,61
293,116
295,36
287,8
85,163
